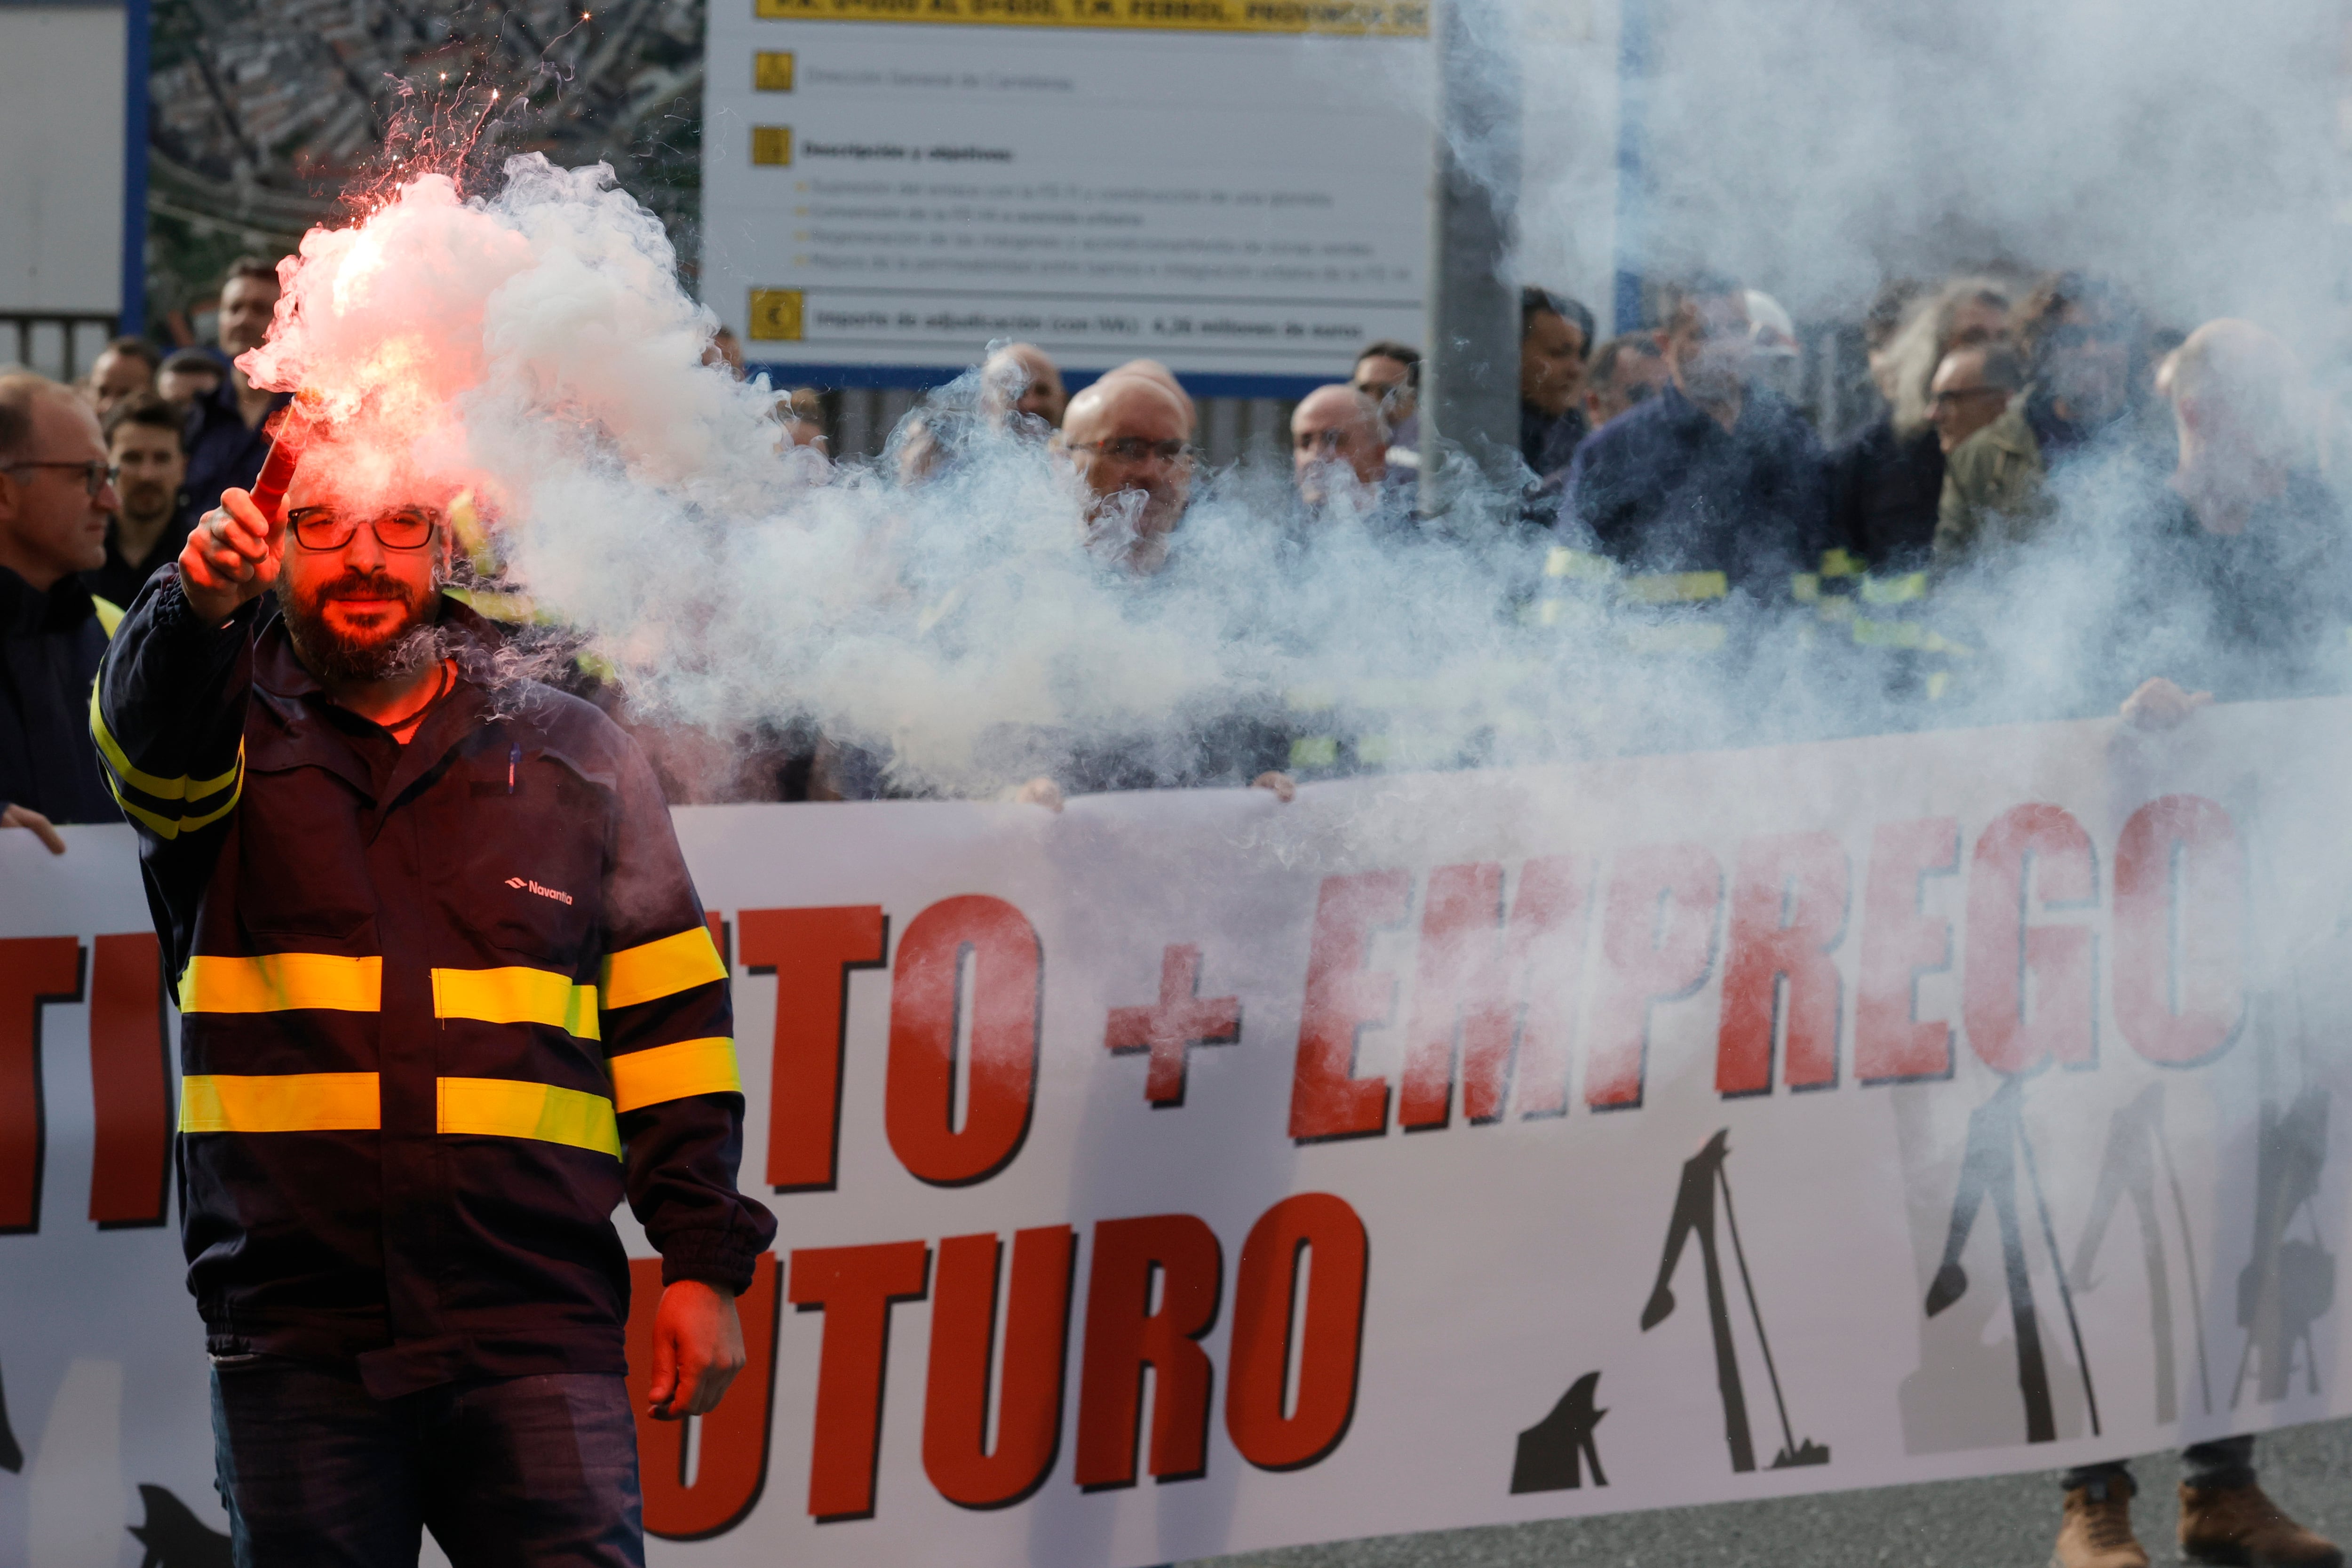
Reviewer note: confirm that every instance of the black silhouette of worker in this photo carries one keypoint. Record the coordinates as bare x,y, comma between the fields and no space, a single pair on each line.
11,1457
175,1538
1553,1452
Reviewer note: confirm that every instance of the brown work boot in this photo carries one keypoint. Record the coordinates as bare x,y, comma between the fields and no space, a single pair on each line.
2096,1532
2240,1527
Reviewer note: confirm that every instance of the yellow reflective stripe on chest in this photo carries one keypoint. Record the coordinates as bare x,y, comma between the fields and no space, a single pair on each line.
281,981
673,1072
280,1102
660,969
509,1108
516,996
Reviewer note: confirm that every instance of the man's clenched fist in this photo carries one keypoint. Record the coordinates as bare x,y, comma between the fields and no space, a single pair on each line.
232,555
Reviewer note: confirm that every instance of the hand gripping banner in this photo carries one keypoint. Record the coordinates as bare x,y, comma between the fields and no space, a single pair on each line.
1190,1174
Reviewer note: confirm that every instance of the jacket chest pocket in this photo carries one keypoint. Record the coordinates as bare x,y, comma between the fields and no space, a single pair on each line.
302,868
522,865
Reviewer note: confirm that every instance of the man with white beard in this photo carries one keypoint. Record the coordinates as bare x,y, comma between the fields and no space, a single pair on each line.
1128,438
1338,452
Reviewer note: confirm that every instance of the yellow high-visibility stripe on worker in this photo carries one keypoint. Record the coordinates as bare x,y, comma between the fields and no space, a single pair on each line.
660,969
280,1102
180,788
509,1108
1675,588
673,1072
516,996
281,981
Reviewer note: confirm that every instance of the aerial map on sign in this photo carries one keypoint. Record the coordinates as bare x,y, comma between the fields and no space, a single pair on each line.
895,183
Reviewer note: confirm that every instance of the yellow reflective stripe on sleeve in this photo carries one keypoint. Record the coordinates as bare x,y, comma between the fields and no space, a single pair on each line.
108,612
663,968
508,1108
1313,750
180,788
1675,588
1579,564
1899,590
280,1102
672,1072
281,982
516,996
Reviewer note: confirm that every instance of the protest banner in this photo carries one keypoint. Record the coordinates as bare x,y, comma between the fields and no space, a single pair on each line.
1191,1172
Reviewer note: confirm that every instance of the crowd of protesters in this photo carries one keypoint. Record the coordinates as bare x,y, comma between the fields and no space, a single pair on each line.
1677,504
1674,503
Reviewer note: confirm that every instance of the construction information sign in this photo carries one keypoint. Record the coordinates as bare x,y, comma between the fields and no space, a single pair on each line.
1235,187
1191,1174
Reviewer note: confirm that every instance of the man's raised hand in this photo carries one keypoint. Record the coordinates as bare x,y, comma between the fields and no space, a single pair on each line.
233,556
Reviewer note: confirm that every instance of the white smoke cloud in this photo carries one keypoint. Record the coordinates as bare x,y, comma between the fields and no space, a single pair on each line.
535,345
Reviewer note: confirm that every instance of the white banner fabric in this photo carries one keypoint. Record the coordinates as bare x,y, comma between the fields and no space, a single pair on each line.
1190,1174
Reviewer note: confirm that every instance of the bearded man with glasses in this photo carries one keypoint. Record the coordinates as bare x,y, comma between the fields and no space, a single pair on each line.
448,996
56,492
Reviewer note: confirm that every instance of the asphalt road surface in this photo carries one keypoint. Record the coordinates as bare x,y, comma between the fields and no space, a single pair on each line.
2004,1523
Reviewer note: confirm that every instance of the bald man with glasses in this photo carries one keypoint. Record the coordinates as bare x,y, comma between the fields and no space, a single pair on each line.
57,490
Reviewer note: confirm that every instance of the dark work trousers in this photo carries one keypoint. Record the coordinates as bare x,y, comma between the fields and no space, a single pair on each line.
2223,1462
522,1472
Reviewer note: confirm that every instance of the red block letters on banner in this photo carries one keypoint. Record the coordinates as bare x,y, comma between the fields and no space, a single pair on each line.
731,1442
1167,1031
1657,943
810,952
1028,1395
34,970
2179,929
1327,1100
1324,1232
1493,985
1788,915
1891,1043
2027,995
854,1286
130,1082
996,1010
1125,1335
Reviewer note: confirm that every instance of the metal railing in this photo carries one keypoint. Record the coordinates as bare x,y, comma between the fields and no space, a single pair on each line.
60,344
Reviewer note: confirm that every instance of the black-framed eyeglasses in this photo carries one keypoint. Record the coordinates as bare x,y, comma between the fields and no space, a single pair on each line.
323,528
1135,449
1950,396
96,474
1319,440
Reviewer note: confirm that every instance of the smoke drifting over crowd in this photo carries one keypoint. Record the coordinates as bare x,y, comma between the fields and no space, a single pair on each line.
534,346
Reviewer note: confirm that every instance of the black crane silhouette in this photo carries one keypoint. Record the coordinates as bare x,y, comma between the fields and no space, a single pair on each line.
1988,1169
1703,1174
2287,1285
2136,1145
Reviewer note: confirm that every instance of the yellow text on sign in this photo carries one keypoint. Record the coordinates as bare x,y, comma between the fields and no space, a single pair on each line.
1374,18
776,315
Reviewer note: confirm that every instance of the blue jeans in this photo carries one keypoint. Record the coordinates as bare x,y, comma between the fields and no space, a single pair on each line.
524,1472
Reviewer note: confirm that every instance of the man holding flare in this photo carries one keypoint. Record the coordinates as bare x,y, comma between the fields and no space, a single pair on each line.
448,997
